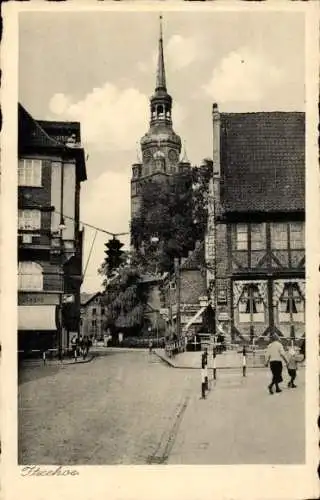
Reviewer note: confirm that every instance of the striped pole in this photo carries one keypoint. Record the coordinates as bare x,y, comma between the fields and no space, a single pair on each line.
214,364
244,362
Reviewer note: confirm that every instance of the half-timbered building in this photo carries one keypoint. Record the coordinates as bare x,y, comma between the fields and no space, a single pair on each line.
259,228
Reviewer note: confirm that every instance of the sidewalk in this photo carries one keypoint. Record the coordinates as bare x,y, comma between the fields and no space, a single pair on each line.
226,360
241,423
57,362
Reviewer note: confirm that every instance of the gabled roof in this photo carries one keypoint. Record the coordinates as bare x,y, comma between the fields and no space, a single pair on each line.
50,137
263,162
86,298
31,133
196,259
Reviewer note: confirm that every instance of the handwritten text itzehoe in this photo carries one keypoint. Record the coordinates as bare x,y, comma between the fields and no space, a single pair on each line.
36,470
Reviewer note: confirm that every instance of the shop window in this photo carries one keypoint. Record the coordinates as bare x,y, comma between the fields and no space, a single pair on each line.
29,172
291,304
257,236
251,306
297,236
279,236
29,219
30,276
242,237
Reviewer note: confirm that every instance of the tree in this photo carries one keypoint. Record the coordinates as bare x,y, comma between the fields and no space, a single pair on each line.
125,299
175,212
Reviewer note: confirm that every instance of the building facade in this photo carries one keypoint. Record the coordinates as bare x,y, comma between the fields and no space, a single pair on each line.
92,316
160,146
184,295
256,241
51,169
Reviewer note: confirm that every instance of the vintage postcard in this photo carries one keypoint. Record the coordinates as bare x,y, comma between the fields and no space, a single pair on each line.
160,250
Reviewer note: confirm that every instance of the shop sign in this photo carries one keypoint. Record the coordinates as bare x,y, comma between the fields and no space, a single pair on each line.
37,299
223,316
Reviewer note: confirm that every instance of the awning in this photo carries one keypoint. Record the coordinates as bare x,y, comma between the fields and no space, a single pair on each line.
37,318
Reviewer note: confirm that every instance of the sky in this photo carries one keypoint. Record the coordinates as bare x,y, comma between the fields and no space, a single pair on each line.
99,68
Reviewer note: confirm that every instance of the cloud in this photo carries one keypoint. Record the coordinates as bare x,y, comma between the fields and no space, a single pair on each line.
243,76
181,51
111,118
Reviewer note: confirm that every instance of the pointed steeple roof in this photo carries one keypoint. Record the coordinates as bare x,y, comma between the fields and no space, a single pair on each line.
161,73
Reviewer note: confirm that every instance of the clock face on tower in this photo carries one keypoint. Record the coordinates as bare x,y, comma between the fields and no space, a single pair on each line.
173,155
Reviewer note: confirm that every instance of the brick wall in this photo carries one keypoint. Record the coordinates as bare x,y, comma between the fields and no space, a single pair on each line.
193,286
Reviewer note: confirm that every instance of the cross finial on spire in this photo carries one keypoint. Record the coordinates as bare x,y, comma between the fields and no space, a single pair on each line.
161,75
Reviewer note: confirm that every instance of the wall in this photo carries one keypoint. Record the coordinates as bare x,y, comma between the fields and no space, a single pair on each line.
193,286
69,188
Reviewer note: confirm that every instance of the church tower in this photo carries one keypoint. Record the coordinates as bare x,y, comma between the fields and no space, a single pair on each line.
160,146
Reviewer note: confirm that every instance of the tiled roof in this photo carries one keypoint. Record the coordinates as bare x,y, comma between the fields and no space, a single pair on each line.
31,133
85,298
263,161
195,259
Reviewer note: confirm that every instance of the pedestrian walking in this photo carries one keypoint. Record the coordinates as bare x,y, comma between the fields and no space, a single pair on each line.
150,346
274,356
303,350
74,346
292,366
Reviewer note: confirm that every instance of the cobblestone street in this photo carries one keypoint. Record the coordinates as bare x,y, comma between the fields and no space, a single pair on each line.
130,408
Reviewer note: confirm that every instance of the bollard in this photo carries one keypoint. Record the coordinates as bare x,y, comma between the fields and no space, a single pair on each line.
244,362
44,357
214,365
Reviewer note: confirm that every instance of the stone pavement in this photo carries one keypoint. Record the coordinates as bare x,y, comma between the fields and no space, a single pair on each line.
130,408
241,423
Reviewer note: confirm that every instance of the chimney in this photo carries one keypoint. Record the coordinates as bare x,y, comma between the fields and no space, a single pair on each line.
216,140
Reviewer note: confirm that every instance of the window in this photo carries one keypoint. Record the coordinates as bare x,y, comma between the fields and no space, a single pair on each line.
102,311
257,236
251,306
291,304
242,237
29,172
29,219
297,237
94,323
94,311
279,236
30,276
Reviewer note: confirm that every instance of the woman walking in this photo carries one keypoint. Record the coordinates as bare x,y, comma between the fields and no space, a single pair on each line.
274,356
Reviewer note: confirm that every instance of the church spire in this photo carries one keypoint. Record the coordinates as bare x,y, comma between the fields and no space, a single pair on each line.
161,73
